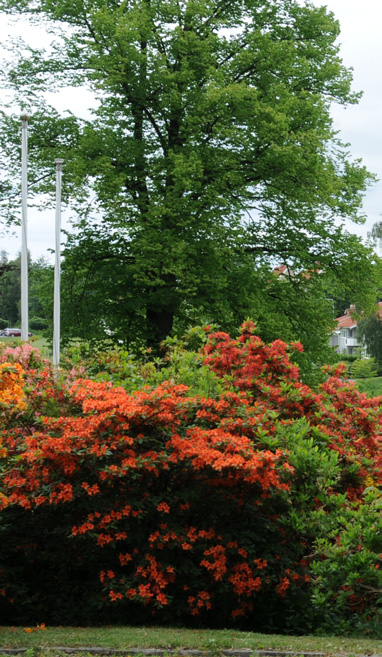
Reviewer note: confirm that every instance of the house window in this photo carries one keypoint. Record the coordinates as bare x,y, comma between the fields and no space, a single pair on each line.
344,333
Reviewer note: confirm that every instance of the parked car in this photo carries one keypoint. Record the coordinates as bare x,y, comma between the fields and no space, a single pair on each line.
14,332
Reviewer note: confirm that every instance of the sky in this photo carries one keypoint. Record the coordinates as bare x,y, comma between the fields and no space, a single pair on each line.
359,125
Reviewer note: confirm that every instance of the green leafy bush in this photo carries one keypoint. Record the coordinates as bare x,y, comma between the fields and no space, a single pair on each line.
38,324
347,573
363,368
232,500
371,387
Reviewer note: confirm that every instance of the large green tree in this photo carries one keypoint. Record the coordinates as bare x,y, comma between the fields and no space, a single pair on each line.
9,290
40,291
211,156
370,331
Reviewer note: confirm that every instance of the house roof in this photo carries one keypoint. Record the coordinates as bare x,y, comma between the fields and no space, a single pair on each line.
283,270
347,321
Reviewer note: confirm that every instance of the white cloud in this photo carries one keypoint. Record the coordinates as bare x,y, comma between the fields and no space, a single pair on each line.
360,125
41,224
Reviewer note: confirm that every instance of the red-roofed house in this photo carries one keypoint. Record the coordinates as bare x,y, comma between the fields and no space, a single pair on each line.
283,270
344,338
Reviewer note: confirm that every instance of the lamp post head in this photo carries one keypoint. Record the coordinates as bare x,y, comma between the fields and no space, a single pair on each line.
59,161
24,115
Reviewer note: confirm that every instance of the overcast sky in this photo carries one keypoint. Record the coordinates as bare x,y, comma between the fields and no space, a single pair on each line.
360,125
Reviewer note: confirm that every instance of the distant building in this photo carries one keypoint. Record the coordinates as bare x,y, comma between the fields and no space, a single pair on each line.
284,270
345,337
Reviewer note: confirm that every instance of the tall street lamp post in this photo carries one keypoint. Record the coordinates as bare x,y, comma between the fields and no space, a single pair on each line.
57,272
24,246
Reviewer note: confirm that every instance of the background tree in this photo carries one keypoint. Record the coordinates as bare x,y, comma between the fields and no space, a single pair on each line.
211,157
41,281
375,234
40,290
370,330
10,285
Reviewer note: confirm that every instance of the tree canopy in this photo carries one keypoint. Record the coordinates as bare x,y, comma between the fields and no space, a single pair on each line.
210,158
370,330
40,298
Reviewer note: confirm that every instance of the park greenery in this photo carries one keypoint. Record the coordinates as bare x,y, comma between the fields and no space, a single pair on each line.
213,489
371,386
204,480
370,331
45,640
40,304
209,160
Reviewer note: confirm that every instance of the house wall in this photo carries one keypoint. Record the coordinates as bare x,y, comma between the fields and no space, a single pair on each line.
345,340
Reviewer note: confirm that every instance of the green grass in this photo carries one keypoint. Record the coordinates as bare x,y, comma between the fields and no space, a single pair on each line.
151,637
372,387
35,341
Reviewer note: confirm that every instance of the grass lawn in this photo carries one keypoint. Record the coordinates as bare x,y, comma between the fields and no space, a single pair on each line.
372,387
150,637
35,341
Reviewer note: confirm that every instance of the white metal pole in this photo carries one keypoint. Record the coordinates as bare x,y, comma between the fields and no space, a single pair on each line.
24,246
56,304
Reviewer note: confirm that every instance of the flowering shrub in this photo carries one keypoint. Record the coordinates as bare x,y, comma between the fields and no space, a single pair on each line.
44,391
189,507
348,575
11,388
11,401
181,361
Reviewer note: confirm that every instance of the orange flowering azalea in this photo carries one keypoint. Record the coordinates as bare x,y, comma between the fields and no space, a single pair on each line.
12,395
188,504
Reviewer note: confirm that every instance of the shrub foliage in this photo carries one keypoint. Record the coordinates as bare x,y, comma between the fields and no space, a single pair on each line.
256,505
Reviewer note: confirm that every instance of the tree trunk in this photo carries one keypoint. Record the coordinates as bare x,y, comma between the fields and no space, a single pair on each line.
159,325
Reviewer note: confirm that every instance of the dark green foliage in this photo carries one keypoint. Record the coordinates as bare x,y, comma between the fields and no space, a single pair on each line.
38,324
40,298
46,586
370,330
10,285
347,576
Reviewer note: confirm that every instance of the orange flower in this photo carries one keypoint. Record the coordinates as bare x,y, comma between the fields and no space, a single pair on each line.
12,396
282,587
163,507
115,596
